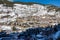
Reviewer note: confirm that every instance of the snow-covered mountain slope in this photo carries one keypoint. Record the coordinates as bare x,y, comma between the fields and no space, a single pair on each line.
19,14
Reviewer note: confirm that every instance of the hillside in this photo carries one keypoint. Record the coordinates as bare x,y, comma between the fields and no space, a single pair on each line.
23,16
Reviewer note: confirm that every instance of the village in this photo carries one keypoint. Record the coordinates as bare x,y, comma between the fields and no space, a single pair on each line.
23,17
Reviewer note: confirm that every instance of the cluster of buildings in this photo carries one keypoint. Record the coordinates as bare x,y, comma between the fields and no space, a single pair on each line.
26,16
6,16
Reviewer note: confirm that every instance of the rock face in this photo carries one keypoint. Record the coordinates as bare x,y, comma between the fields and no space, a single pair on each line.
22,16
